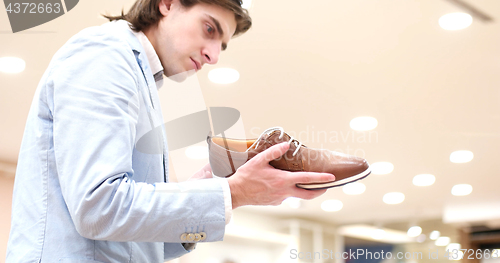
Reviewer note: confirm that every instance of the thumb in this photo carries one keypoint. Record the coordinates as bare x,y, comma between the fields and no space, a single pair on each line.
272,153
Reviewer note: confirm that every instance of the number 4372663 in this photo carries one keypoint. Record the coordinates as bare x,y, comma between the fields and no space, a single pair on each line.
472,254
32,8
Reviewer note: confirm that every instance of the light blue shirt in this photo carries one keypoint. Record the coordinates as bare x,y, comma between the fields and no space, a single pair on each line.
83,191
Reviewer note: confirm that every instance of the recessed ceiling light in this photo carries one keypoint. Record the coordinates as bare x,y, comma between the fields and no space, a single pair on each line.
197,152
363,123
223,75
414,231
355,188
457,256
331,205
378,234
442,241
495,253
461,156
382,167
434,235
455,21
394,198
12,65
461,189
450,247
424,179
292,202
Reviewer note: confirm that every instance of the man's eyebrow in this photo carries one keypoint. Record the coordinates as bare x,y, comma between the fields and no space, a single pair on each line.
219,29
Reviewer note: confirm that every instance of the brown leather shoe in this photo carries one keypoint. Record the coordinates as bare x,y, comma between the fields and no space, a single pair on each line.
227,155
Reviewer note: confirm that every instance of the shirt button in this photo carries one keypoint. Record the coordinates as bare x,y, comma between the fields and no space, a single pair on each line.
197,237
183,237
203,236
190,237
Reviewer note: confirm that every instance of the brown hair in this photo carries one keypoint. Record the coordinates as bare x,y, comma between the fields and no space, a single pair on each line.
145,13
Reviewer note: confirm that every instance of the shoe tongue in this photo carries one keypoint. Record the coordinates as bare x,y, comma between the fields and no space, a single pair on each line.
272,136
265,136
275,136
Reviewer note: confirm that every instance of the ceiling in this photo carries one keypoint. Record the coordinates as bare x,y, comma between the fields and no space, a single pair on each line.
311,67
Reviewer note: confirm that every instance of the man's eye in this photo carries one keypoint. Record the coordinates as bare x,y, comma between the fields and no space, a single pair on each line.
210,29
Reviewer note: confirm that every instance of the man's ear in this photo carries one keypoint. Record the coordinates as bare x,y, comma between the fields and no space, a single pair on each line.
166,6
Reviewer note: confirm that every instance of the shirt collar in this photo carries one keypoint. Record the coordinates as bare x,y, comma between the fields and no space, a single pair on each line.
153,59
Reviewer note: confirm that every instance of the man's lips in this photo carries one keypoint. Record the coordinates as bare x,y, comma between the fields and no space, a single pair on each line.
196,65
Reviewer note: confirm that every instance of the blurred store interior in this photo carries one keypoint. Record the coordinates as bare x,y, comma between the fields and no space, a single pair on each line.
428,80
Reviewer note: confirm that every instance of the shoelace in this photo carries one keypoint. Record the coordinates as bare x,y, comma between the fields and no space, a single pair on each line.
282,132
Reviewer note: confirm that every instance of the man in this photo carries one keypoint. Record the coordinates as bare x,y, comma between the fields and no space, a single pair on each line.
84,192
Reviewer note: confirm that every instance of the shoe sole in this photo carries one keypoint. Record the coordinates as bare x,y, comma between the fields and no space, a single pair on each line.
320,186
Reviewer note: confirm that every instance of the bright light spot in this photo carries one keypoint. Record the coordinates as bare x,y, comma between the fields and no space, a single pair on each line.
434,235
354,188
452,246
394,198
424,179
455,21
461,189
292,202
461,156
459,256
331,205
382,167
197,152
495,253
12,65
414,231
223,75
454,255
378,234
363,123
442,241
246,4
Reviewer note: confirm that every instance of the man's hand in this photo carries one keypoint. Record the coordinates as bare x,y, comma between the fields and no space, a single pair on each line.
258,183
203,173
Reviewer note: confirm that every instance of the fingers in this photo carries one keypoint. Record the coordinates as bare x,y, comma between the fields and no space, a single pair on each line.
208,174
310,177
203,173
207,167
272,153
308,194
262,184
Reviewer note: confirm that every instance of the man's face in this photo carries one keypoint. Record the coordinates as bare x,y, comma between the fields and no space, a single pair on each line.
186,39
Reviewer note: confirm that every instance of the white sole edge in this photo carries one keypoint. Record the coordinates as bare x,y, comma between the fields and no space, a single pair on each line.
335,183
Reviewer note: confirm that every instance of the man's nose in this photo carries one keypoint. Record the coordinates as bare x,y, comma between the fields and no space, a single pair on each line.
211,52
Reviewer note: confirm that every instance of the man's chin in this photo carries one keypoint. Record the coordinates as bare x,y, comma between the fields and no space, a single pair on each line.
180,77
